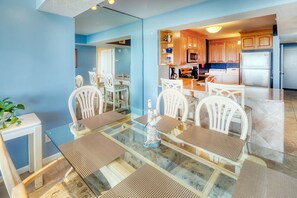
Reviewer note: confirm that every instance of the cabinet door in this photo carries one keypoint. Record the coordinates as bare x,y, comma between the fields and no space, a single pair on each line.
195,43
190,42
238,51
220,52
248,42
184,45
212,53
264,41
230,52
202,50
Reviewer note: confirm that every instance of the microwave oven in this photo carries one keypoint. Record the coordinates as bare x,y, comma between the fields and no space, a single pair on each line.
192,56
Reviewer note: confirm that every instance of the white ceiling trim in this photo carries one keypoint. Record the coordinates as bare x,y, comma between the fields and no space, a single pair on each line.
68,8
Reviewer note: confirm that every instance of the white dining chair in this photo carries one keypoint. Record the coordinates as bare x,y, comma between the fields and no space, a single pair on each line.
173,100
86,98
79,81
93,78
116,94
237,94
16,187
220,111
178,85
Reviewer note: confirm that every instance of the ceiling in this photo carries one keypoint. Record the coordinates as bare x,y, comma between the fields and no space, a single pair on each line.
92,21
233,29
69,8
149,8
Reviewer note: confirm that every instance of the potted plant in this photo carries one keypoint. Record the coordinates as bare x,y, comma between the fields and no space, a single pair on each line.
7,113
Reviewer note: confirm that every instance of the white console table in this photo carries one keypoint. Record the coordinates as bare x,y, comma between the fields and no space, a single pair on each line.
31,126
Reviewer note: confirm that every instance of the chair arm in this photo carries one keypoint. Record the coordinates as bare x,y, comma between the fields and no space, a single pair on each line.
40,172
19,191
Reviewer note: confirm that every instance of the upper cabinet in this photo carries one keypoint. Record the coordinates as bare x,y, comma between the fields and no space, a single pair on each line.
257,40
193,40
224,51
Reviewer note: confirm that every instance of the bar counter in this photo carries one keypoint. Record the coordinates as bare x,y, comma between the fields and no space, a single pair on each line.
267,112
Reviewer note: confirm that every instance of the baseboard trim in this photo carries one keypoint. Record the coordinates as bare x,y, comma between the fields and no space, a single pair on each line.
44,161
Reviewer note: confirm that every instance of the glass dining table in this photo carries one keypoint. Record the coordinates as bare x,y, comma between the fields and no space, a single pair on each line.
177,161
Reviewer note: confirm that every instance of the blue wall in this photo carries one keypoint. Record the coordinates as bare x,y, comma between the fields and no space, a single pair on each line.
122,60
86,58
37,67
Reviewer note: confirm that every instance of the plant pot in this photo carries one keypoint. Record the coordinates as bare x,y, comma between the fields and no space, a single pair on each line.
5,116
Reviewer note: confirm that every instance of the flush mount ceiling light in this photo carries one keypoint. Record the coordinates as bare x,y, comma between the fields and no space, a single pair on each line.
213,29
111,1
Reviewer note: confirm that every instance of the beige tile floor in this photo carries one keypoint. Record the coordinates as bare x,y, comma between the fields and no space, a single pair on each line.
290,142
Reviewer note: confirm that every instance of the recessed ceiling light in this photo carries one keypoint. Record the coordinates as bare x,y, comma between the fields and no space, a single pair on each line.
94,7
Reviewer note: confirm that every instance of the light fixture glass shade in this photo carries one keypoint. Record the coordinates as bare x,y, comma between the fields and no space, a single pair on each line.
213,29
111,1
94,7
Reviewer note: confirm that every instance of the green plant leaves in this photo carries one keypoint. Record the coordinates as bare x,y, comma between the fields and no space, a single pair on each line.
20,106
9,107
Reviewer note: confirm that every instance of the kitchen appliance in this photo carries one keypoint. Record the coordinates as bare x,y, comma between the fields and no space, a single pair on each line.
255,69
192,56
173,75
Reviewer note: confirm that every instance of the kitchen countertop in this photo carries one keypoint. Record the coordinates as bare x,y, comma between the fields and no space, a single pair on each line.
258,93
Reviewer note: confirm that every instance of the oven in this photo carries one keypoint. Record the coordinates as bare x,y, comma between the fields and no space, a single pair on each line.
192,56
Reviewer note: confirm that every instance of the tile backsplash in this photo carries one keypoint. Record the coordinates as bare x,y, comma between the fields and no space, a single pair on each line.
224,65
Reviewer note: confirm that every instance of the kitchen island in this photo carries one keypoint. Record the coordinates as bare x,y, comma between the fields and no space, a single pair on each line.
267,113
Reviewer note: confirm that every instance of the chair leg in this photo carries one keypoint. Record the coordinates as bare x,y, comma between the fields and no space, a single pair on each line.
113,99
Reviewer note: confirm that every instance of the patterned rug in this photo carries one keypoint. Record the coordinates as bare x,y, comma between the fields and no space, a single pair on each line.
70,187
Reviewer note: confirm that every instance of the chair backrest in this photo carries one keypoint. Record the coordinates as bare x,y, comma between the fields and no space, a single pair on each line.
86,98
79,81
93,78
173,100
109,82
230,91
8,170
220,112
172,84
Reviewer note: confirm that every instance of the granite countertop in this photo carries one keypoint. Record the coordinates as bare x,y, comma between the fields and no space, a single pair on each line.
258,93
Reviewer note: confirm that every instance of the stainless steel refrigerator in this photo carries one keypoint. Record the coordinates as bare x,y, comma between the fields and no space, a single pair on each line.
255,69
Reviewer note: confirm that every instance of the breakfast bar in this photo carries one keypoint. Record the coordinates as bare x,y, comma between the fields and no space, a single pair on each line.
267,112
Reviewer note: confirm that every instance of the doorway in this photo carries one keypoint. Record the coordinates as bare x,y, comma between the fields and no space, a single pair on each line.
290,67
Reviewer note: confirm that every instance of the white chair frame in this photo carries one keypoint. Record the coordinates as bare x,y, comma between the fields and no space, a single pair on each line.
178,85
237,94
93,78
79,81
86,98
16,187
220,113
173,100
110,88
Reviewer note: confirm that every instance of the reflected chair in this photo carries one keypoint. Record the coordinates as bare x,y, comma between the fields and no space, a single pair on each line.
87,98
173,100
178,85
79,81
116,94
235,93
16,187
93,78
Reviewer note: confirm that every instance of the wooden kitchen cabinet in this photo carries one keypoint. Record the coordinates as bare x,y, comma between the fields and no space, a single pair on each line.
192,40
232,51
257,40
224,50
216,51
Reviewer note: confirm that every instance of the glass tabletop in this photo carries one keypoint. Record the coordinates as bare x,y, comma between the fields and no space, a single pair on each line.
178,161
